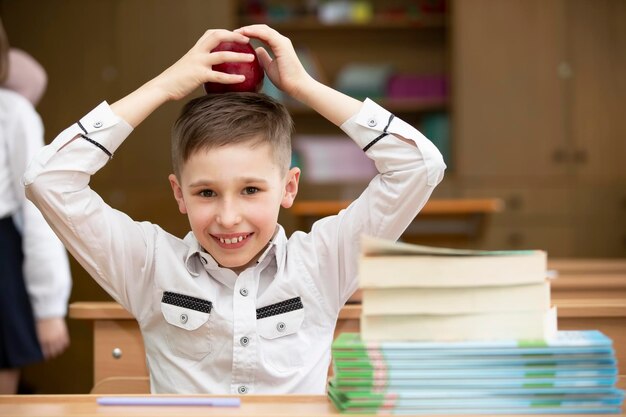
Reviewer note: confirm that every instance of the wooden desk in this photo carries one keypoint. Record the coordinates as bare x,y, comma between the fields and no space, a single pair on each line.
119,350
440,218
589,278
118,345
589,294
85,405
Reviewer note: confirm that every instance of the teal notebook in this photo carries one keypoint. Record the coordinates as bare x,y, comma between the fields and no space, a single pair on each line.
564,342
526,361
496,401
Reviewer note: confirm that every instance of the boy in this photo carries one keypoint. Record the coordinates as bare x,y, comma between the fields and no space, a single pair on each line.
235,307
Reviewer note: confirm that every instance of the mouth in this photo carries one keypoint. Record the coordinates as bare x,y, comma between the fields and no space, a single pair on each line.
232,241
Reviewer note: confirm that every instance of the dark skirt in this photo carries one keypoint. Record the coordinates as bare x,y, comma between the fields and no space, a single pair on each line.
19,345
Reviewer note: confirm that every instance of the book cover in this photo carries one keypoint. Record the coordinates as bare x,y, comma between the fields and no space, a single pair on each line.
479,372
570,361
537,324
388,264
475,402
563,341
456,300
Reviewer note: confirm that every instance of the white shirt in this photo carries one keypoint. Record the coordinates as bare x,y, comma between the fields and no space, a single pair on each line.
205,329
46,267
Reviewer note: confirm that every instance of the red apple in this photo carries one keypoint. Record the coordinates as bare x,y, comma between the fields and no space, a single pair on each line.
252,70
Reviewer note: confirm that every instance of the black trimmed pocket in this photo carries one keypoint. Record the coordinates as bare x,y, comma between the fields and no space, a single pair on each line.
282,341
187,301
279,308
187,325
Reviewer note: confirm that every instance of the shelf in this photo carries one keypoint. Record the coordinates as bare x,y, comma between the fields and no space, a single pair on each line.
312,23
409,105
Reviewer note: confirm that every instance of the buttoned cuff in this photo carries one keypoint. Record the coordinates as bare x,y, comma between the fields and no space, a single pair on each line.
105,127
101,126
374,123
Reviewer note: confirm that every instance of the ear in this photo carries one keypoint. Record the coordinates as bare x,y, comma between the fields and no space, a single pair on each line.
178,193
291,187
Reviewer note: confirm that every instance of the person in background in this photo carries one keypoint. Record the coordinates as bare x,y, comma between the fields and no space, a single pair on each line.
25,76
35,278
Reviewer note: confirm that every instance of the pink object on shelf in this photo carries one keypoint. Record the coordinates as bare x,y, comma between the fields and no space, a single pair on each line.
415,86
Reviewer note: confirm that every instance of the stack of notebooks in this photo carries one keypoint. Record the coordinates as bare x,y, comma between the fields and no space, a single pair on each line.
572,373
466,332
413,292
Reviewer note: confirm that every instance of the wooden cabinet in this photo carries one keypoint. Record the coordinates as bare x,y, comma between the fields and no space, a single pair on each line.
596,45
508,98
538,88
538,120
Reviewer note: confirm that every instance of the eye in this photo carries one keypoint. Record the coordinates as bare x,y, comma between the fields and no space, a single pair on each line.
250,190
207,193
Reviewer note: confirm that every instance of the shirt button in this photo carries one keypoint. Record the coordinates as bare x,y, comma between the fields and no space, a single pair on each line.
183,318
203,260
371,122
244,341
242,389
97,124
243,292
281,326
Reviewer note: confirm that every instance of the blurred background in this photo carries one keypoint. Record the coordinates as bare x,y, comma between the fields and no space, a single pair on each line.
522,97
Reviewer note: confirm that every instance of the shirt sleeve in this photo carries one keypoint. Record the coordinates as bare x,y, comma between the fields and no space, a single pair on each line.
111,247
46,266
407,177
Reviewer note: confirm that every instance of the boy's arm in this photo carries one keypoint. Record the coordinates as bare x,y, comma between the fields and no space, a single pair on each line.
287,73
57,180
409,166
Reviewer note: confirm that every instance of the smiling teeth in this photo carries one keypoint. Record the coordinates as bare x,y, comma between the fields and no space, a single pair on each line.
233,240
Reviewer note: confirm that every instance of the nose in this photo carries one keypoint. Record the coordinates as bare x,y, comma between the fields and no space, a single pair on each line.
228,214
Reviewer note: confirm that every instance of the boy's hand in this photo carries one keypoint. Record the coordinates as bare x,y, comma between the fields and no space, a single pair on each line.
188,73
285,70
196,66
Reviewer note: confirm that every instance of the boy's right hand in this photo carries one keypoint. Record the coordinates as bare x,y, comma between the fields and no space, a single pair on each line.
196,66
188,73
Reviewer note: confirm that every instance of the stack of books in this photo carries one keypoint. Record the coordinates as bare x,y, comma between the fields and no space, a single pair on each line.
413,293
574,372
448,331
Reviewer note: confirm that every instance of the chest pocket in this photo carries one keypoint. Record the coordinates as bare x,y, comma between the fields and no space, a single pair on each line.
187,324
282,338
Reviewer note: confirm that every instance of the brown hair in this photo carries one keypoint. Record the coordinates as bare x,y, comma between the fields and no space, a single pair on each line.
4,54
223,119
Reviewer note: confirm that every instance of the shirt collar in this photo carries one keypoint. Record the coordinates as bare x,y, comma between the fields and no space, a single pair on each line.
197,258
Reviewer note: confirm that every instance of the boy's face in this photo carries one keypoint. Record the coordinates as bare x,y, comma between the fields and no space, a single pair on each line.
232,196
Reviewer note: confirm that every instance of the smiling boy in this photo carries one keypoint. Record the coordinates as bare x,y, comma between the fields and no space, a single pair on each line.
235,307
233,211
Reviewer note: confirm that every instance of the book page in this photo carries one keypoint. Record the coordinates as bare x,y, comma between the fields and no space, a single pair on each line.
371,246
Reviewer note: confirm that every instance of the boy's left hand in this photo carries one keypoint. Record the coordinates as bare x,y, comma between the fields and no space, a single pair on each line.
285,70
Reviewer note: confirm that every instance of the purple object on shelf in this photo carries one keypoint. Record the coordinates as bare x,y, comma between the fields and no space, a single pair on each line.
417,86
